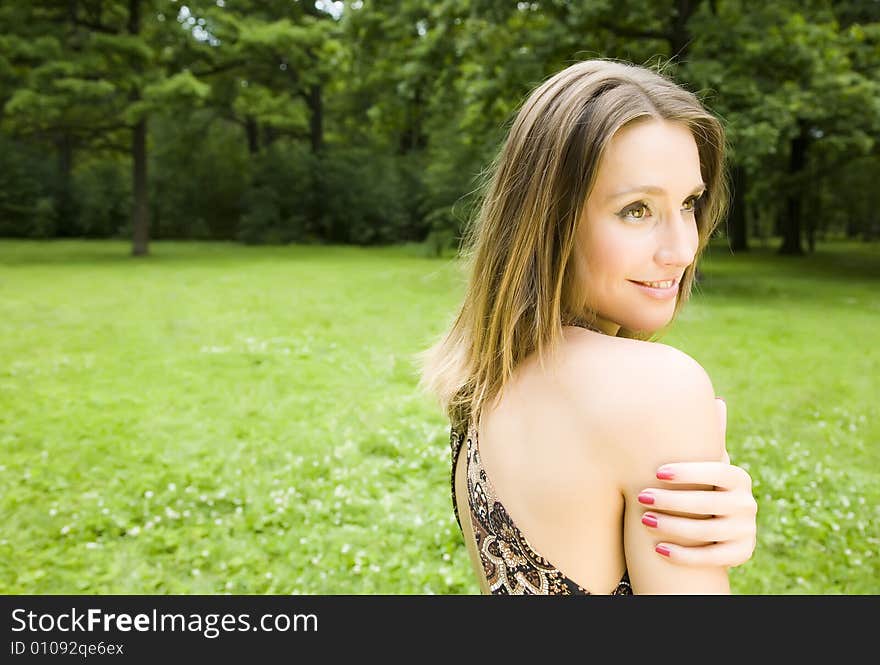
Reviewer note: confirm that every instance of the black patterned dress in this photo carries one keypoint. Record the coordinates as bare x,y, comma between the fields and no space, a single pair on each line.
511,564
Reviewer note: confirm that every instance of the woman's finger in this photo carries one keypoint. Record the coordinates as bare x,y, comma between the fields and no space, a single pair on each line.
728,553
689,532
698,502
721,475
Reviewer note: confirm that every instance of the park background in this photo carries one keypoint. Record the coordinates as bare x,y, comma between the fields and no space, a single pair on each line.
227,227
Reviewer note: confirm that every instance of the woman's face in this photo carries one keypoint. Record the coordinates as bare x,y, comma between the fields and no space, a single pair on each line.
638,225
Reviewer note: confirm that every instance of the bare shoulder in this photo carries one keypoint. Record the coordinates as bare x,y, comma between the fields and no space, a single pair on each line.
646,403
642,405
632,367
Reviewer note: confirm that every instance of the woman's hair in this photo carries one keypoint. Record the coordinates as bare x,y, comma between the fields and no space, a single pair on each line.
519,247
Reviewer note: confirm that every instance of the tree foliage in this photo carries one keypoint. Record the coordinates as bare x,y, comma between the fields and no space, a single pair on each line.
371,121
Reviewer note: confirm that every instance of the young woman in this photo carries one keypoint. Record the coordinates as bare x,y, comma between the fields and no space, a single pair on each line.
594,457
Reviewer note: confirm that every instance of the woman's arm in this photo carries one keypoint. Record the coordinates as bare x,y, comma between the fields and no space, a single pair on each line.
727,534
667,414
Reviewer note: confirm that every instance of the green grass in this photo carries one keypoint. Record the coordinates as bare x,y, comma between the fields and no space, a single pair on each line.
217,418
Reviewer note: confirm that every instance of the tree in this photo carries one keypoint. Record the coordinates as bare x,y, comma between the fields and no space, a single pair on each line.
785,82
97,76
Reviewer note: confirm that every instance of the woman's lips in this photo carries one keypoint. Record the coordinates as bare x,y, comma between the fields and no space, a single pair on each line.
659,294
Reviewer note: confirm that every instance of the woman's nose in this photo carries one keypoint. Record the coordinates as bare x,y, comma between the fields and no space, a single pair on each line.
678,244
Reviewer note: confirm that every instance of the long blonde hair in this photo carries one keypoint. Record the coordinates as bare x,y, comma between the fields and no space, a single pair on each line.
518,249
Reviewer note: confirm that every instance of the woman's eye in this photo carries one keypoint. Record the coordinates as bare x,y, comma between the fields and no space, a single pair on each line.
691,203
637,211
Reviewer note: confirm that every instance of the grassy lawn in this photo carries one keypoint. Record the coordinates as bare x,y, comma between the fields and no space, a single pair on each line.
218,418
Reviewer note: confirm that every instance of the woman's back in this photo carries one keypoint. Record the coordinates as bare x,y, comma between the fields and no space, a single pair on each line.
559,452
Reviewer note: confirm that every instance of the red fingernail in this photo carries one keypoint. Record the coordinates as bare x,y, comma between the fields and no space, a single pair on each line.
645,497
662,549
665,474
649,520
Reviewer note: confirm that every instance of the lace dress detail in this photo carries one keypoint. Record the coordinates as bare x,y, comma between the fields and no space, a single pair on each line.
511,564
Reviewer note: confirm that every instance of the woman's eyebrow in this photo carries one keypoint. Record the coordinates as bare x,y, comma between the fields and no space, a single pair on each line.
651,189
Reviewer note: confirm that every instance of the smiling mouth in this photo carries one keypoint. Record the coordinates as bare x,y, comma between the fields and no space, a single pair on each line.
663,284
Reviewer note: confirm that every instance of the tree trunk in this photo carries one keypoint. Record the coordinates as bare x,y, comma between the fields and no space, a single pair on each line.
64,195
680,38
412,137
140,216
253,136
791,226
316,121
737,225
316,133
813,212
64,207
270,135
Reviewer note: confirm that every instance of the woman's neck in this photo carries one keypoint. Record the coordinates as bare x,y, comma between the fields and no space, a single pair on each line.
598,325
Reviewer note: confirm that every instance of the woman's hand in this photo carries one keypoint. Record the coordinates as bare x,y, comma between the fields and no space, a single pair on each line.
699,527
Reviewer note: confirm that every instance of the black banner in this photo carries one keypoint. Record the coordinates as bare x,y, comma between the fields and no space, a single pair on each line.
284,628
